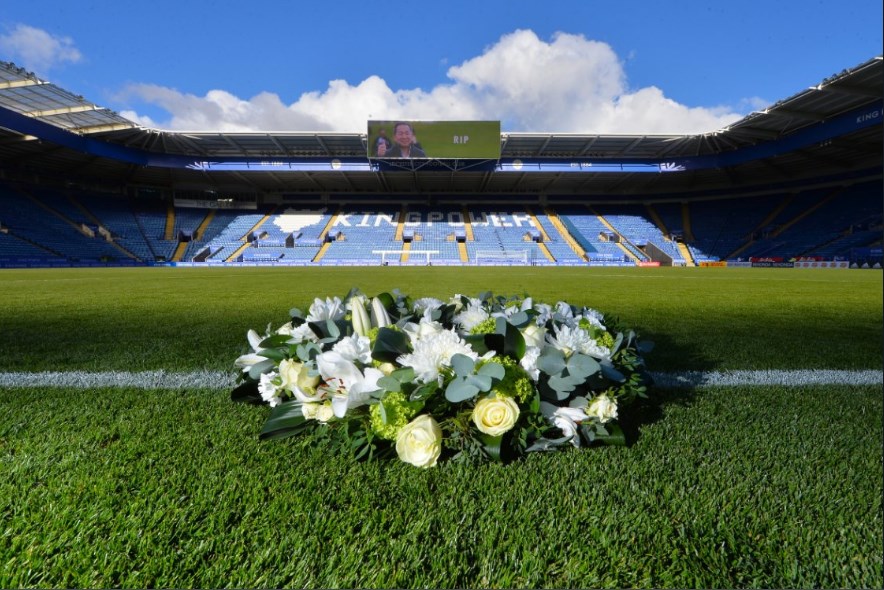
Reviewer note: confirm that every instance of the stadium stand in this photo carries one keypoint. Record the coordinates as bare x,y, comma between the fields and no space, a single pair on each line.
769,185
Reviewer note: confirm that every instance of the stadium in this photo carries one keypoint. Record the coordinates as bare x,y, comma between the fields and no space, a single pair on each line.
799,181
134,261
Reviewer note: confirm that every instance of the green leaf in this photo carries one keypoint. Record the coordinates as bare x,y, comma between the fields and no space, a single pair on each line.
387,301
273,353
513,341
382,410
258,369
477,343
615,436
247,393
491,445
284,420
547,444
390,345
424,392
611,373
275,341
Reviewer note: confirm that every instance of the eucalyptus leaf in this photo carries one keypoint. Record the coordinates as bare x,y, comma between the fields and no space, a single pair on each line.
519,319
459,391
551,361
403,375
390,383
462,365
483,382
493,370
258,369
581,365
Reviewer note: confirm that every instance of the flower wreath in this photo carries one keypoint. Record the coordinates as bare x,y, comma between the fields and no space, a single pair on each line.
471,379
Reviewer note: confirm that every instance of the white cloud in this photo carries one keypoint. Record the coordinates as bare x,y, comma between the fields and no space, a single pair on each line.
37,50
569,84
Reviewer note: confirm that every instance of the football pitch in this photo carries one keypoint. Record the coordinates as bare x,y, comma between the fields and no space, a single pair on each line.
119,474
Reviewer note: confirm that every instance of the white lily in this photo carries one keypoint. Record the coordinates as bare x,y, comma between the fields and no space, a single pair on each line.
361,321
565,419
350,387
330,309
379,316
246,361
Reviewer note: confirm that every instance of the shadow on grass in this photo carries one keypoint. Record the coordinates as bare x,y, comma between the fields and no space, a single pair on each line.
673,356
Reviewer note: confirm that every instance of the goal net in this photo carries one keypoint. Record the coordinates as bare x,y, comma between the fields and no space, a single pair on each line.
501,257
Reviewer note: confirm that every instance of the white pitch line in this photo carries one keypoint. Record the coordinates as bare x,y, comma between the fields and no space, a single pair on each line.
226,380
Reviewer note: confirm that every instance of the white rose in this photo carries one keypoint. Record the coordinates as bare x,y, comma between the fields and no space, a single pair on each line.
420,442
325,412
495,415
603,408
310,410
534,335
286,329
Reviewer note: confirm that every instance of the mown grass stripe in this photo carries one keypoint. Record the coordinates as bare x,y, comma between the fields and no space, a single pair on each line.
222,380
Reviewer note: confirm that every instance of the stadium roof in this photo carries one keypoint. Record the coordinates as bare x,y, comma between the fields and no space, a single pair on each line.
50,131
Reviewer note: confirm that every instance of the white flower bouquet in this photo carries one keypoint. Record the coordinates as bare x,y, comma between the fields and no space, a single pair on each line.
469,379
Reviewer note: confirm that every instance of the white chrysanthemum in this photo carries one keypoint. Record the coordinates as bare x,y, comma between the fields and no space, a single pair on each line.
330,309
424,303
570,340
433,353
529,362
270,389
354,348
594,317
471,317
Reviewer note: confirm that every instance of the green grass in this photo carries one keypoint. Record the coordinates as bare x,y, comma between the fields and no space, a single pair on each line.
768,487
165,318
721,487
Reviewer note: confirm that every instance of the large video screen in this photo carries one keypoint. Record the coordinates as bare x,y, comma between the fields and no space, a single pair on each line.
434,139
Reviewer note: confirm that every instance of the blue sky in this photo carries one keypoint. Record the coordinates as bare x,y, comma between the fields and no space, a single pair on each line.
580,66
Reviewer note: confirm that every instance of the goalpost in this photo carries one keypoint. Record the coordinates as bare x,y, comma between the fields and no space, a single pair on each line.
399,253
501,257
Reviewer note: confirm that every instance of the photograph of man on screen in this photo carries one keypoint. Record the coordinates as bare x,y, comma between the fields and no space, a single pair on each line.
404,144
